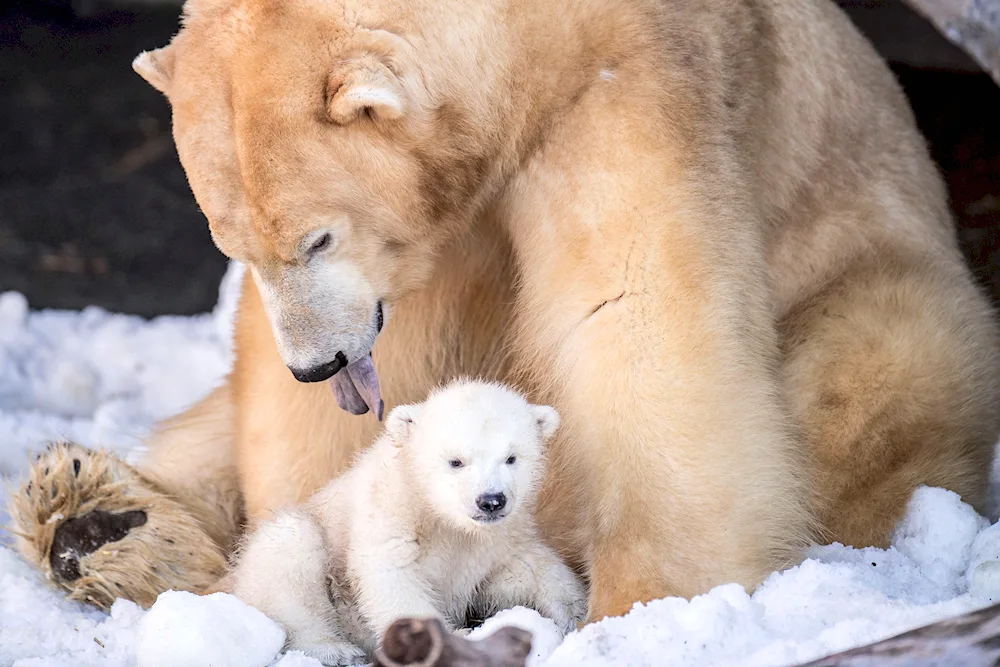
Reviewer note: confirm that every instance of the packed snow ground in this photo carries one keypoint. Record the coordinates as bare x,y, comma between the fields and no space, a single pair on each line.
102,379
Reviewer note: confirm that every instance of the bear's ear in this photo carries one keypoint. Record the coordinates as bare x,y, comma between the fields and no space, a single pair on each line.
547,420
364,87
399,423
156,67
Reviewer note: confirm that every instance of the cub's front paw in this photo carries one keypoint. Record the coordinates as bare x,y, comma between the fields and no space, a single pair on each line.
566,614
336,654
566,624
578,611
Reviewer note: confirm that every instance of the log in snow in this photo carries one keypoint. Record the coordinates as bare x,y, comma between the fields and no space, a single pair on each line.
411,642
971,640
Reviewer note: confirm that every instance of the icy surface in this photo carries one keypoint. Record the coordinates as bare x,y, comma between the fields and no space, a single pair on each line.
102,379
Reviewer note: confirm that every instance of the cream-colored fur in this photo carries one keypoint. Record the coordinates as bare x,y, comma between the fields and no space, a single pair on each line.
707,232
400,533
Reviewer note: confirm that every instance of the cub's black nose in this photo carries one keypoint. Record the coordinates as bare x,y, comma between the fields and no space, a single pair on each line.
321,372
491,502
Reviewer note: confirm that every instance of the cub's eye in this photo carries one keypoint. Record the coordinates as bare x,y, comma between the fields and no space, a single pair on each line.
322,243
511,460
455,463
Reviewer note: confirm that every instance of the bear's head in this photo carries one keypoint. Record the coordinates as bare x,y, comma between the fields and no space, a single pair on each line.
475,450
334,148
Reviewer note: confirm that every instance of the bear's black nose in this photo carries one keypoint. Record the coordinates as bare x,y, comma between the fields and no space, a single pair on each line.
321,372
491,502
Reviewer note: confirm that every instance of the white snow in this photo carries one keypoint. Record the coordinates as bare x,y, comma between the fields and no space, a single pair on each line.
983,574
102,379
182,629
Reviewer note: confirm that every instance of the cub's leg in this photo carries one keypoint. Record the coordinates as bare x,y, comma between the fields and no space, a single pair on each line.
103,529
282,570
894,372
390,584
539,579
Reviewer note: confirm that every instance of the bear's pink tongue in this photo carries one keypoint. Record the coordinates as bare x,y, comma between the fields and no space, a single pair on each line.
356,388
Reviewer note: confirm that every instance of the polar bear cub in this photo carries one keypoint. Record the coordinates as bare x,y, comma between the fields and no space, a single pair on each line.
434,519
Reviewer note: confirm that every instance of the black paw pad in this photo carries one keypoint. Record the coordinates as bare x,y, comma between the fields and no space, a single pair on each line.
85,534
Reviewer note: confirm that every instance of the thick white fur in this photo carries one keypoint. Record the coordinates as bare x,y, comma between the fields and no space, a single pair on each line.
397,535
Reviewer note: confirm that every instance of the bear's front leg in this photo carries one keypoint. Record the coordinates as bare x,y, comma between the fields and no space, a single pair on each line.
646,320
676,439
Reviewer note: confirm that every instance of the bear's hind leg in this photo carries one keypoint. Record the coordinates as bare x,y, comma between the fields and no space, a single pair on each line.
894,372
102,529
99,529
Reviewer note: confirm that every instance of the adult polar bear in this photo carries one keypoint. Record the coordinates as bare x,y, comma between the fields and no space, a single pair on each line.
707,231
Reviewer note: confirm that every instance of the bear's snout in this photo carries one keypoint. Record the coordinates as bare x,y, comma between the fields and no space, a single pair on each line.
491,503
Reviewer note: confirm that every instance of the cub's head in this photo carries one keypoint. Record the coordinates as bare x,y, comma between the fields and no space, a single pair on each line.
332,152
476,450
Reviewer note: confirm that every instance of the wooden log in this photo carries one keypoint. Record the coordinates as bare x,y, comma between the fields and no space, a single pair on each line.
972,25
413,642
972,640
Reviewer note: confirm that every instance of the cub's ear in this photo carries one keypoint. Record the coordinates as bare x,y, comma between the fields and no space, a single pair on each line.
399,423
547,420
156,67
364,87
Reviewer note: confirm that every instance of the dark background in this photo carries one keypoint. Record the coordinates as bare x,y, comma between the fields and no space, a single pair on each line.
95,209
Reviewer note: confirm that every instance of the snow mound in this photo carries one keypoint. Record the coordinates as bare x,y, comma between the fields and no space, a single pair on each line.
182,629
